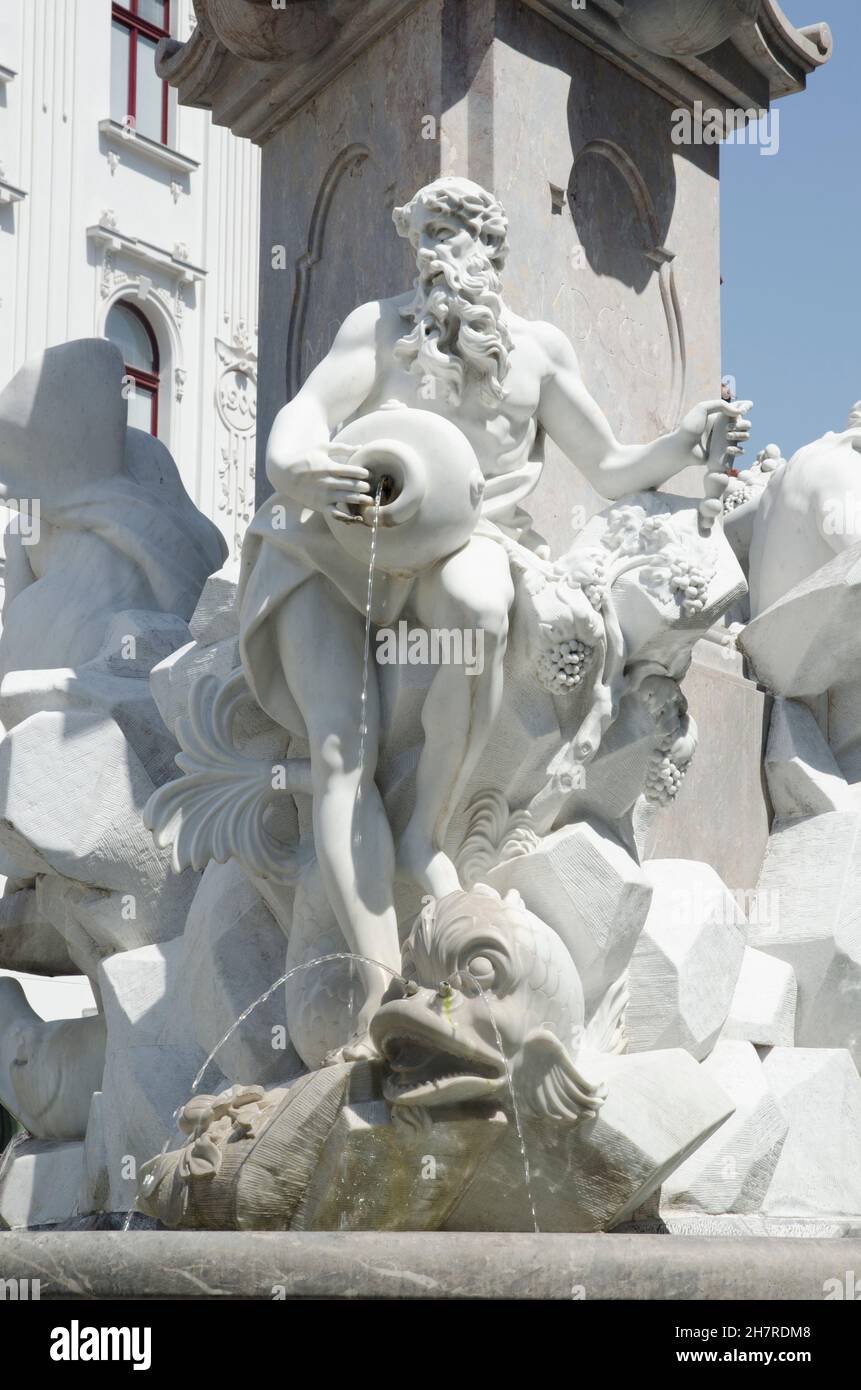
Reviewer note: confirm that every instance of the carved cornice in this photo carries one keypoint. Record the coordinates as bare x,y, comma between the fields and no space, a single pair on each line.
172,263
192,67
255,66
765,57
255,97
124,138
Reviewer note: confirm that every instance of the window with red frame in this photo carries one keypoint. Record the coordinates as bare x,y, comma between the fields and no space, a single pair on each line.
131,331
139,98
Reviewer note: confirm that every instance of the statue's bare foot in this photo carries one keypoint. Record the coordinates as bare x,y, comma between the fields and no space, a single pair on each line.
358,1049
418,860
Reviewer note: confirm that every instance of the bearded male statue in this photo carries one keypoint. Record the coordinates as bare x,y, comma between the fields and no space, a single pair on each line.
451,347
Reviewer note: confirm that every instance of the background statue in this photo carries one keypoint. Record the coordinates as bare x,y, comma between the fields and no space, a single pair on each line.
810,512
106,556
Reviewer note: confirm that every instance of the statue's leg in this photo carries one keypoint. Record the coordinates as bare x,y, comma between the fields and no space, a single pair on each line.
472,590
321,646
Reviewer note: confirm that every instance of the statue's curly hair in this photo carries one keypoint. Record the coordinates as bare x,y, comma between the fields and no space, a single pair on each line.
468,201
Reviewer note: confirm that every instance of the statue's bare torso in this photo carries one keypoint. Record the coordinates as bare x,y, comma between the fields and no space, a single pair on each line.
503,433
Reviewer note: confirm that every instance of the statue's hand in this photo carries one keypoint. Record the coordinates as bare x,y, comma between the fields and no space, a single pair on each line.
717,430
324,482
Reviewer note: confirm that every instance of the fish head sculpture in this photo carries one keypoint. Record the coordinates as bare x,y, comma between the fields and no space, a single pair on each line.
494,1011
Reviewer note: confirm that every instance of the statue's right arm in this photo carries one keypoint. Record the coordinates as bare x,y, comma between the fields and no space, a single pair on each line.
297,460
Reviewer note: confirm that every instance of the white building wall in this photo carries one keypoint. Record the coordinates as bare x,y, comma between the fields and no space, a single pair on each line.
87,216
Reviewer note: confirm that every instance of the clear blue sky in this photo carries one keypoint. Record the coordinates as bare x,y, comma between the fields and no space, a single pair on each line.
791,250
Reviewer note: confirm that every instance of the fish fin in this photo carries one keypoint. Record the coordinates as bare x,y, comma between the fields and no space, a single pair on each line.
606,1030
552,1085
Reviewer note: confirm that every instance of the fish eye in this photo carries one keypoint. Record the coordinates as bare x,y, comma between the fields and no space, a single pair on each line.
482,970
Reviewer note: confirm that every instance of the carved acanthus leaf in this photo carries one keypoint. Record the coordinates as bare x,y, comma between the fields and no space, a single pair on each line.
495,834
217,810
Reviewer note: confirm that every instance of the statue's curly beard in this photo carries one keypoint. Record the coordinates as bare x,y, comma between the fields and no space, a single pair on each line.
459,330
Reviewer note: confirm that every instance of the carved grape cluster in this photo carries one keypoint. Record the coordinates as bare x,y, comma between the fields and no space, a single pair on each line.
692,583
596,592
663,779
562,667
736,496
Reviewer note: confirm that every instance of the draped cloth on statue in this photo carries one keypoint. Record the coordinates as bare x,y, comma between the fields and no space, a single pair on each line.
285,545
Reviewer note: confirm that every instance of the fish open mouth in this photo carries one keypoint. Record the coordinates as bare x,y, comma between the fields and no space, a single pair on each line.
425,1073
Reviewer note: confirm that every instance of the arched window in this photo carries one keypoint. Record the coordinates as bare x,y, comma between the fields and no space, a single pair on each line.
131,331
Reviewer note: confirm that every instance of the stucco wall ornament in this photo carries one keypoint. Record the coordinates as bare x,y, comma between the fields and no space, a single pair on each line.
236,404
236,386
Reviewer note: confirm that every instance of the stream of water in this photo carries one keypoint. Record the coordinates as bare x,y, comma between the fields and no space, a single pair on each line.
282,979
261,999
527,1175
366,660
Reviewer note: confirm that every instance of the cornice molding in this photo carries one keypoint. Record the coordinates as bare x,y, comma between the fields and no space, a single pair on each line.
120,137
765,58
254,98
145,253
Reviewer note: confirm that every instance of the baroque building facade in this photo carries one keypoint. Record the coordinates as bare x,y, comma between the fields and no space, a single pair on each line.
126,215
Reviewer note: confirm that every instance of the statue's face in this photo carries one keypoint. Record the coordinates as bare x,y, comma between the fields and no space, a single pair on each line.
457,306
443,233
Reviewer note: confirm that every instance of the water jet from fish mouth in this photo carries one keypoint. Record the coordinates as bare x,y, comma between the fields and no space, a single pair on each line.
267,994
282,979
408,1054
527,1176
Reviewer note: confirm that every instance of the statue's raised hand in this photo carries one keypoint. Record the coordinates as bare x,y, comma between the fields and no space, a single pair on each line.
718,428
325,480
718,432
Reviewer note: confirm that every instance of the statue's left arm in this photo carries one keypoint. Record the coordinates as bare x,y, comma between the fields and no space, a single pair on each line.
574,421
